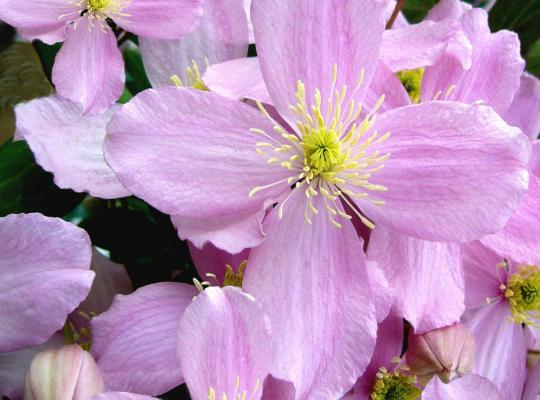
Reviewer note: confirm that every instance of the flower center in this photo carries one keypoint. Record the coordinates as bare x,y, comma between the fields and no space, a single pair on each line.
411,79
98,5
238,393
235,278
394,386
523,294
332,152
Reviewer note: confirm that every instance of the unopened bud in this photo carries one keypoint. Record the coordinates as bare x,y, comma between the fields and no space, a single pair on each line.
68,373
446,352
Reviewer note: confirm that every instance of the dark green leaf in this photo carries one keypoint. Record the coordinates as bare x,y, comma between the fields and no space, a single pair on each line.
136,79
416,10
533,59
26,187
47,55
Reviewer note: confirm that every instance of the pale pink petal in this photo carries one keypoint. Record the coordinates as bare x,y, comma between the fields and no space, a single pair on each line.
238,79
400,21
386,83
482,278
163,19
389,345
469,387
232,232
452,9
383,293
501,350
455,173
68,373
222,35
69,146
524,112
278,389
121,396
423,44
534,162
494,77
134,342
89,68
427,278
111,279
532,386
312,281
211,260
346,33
520,238
39,19
224,340
13,366
44,268
191,154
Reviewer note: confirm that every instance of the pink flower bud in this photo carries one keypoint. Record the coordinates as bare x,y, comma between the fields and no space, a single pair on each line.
446,352
63,374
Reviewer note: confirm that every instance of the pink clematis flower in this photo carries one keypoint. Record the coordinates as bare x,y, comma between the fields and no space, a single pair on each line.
501,295
222,35
415,169
89,68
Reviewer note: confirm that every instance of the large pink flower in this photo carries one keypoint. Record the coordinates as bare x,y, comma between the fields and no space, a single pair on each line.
89,68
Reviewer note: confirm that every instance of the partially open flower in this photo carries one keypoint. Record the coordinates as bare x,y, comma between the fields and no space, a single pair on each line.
446,352
69,373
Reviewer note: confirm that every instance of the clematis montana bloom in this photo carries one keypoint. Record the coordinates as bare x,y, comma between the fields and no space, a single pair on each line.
89,68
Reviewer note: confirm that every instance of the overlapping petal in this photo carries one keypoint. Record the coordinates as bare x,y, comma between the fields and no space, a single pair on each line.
211,260
524,112
44,266
69,145
313,283
469,387
134,343
455,173
89,68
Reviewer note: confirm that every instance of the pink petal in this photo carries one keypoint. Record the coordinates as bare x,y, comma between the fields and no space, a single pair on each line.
520,238
452,9
162,19
469,387
89,68
39,19
200,163
68,373
224,339
278,389
111,279
44,267
383,293
222,35
501,340
427,278
423,44
532,386
212,260
494,77
441,187
385,83
535,158
121,396
134,342
482,279
312,281
69,146
238,79
524,112
13,366
302,40
389,345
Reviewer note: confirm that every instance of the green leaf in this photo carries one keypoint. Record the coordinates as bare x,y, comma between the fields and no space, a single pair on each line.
520,16
136,79
533,59
47,55
26,187
21,79
416,10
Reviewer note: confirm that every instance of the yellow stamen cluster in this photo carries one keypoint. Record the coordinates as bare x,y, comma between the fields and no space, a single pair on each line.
82,336
98,5
394,386
97,11
235,278
411,79
522,292
193,78
329,154
238,394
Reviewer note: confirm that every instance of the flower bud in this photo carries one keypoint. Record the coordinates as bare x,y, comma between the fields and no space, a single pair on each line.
446,352
63,374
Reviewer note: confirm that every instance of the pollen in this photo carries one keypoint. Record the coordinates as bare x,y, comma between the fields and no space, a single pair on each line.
98,5
394,386
522,293
333,152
